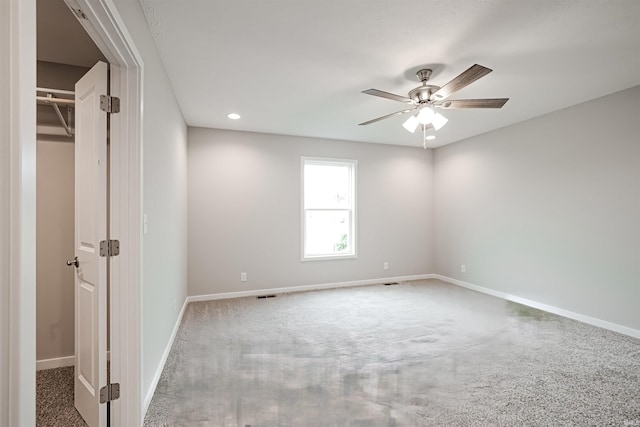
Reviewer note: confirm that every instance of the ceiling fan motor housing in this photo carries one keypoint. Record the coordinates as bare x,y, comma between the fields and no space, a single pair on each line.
423,93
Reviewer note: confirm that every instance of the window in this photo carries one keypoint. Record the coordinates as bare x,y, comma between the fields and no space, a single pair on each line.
328,208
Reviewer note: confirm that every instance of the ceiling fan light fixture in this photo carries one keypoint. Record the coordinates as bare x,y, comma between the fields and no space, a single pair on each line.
438,121
411,124
430,137
425,116
233,116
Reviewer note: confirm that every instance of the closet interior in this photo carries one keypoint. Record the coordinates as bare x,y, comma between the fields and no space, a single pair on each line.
64,54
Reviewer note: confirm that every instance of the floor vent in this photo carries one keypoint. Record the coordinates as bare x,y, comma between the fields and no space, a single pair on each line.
266,296
391,283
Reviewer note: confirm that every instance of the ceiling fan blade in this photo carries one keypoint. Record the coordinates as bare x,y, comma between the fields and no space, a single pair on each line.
391,96
473,103
467,77
397,113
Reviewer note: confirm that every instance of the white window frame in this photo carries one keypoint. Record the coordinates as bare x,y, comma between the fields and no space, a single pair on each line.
354,203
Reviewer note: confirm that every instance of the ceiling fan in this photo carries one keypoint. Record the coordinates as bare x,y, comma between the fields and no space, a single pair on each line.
424,99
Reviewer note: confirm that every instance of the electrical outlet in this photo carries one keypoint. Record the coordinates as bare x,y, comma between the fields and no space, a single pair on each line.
463,268
243,277
385,265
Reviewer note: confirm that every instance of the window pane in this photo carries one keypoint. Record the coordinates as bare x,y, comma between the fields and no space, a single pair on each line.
327,233
328,208
327,186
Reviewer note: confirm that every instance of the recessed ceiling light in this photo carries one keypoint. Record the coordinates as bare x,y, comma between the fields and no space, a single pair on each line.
233,116
430,137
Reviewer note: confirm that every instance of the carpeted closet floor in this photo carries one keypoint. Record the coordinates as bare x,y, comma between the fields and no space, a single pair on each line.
415,354
54,399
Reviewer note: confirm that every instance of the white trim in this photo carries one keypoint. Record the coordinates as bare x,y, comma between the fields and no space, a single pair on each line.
549,308
328,257
163,361
353,210
17,213
58,362
304,288
107,29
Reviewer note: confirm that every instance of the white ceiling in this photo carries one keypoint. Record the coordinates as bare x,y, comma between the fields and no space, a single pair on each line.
297,67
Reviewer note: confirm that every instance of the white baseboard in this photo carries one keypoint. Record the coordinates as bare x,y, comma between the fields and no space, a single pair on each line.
156,377
240,294
57,362
545,307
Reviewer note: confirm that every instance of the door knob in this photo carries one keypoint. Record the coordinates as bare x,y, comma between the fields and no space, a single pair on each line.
74,261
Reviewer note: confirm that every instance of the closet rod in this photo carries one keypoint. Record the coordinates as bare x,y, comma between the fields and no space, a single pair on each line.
51,100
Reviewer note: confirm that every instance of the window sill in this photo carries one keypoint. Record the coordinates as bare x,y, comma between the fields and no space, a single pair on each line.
328,257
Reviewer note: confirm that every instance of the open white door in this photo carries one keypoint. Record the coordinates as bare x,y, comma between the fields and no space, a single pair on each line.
90,229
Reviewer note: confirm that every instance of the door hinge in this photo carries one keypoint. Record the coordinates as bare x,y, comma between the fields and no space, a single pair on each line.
110,104
109,247
110,392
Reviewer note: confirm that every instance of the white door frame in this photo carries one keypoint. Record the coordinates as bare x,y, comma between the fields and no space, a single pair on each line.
17,208
17,213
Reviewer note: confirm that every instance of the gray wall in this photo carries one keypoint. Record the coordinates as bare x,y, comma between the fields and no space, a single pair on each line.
54,223
548,209
244,211
164,269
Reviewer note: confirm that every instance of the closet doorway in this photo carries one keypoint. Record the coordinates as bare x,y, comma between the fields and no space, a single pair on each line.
69,374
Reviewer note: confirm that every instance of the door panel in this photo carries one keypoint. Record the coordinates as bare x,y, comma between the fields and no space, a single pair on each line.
90,228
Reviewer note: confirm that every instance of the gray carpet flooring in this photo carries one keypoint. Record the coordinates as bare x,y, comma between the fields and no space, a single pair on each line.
416,354
54,399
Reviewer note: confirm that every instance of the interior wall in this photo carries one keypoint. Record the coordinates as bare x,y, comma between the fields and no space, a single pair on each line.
244,211
58,76
164,269
54,245
547,209
54,222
